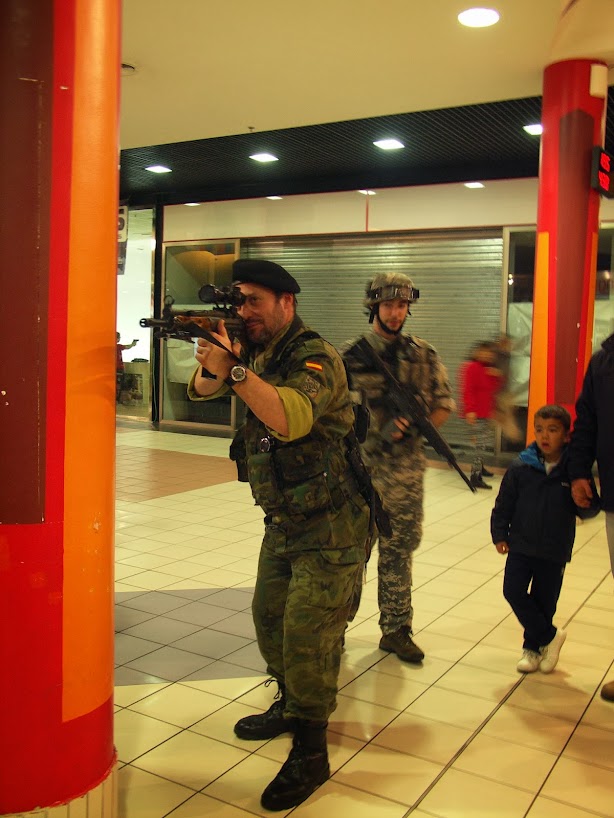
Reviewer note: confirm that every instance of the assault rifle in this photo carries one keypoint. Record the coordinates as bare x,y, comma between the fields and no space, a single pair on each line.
406,403
187,324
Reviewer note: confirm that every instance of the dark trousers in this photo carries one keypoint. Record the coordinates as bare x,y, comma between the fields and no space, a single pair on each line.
534,609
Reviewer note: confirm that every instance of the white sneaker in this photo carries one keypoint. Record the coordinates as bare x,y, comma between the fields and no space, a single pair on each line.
550,652
529,662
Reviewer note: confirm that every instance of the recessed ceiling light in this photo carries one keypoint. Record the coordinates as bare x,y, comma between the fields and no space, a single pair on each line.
389,144
158,169
192,204
478,18
263,157
367,192
534,130
473,185
274,198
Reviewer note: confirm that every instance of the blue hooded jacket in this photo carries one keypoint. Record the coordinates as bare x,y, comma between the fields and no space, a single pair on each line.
534,512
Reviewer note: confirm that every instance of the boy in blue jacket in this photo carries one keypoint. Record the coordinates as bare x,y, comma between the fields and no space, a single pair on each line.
534,523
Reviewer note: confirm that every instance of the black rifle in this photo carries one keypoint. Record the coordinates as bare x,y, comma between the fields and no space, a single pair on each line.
407,403
187,324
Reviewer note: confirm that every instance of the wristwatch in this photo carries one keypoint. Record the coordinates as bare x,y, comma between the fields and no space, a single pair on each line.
238,374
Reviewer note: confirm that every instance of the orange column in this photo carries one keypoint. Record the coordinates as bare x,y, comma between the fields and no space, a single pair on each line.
58,152
573,111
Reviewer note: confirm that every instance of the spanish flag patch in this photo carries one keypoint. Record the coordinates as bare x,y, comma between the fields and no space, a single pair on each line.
313,365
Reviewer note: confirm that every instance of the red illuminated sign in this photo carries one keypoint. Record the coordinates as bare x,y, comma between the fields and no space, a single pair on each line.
601,173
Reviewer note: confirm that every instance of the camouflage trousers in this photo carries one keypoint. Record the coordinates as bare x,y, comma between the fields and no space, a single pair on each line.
400,483
479,436
306,577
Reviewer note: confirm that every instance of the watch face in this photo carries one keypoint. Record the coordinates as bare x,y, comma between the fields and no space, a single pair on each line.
238,373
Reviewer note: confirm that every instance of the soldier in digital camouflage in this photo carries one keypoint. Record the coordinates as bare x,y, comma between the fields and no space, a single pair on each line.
393,451
292,449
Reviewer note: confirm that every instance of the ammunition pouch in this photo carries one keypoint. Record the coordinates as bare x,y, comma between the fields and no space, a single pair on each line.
300,479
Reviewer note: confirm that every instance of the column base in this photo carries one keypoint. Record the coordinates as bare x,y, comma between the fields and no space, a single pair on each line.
101,802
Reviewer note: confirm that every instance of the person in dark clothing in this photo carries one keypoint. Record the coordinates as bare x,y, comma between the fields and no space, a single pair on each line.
534,523
593,439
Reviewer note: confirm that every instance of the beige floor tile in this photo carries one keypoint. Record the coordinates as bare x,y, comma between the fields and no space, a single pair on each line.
581,785
202,806
600,713
448,648
191,760
486,684
219,725
426,672
135,734
591,745
334,800
360,653
361,720
179,705
591,635
450,625
142,795
231,683
579,653
389,774
548,808
424,738
529,728
452,708
550,700
243,785
462,795
125,695
522,767
379,687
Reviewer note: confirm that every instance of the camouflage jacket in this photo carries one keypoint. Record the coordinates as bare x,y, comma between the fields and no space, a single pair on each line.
415,363
306,471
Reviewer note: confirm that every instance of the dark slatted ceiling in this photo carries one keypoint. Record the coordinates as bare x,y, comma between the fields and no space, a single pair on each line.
474,142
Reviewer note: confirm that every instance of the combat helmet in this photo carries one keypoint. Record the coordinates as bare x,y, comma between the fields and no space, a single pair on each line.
387,287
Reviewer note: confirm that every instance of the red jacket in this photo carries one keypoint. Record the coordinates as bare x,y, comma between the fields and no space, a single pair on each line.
479,388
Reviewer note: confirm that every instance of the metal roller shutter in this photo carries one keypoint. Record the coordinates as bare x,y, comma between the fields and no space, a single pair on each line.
459,275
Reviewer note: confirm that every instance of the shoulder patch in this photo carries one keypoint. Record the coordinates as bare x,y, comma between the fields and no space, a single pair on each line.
310,386
314,365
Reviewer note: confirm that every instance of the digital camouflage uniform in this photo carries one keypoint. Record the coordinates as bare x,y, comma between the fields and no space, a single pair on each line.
316,523
397,468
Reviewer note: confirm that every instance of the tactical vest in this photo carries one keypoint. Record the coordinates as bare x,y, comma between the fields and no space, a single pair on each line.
298,478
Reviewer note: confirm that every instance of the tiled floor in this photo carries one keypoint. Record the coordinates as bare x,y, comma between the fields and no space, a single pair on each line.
463,736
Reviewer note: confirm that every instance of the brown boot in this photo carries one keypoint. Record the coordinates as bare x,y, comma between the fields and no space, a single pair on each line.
401,643
607,691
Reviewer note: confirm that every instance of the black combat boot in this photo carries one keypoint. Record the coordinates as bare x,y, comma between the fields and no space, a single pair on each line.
303,771
486,473
266,725
477,480
401,643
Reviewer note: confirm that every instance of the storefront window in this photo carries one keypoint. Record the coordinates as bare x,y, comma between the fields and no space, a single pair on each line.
134,288
187,267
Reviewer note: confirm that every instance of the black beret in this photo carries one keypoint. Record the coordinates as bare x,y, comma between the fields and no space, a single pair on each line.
266,273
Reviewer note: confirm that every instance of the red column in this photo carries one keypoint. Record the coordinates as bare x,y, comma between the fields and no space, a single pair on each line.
58,225
573,111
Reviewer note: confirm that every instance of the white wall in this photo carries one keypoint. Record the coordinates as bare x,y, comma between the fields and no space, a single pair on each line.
506,202
134,286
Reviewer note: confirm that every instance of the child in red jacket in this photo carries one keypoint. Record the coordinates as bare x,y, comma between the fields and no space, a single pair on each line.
481,381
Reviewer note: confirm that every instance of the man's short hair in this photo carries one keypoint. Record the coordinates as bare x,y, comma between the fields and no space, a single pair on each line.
553,411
